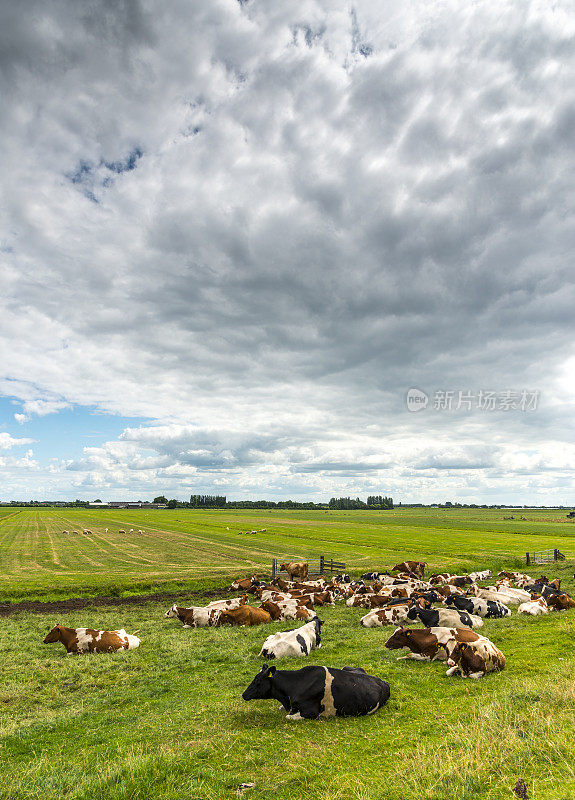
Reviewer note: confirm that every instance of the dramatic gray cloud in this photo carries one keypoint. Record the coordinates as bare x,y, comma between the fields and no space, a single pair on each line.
259,224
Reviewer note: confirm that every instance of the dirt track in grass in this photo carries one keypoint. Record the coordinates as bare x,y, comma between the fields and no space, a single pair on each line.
76,603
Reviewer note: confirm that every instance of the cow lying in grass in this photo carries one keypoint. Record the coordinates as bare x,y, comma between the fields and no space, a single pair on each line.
490,609
195,616
414,568
88,640
560,602
480,576
233,602
428,644
287,609
295,643
314,692
244,584
444,617
244,615
535,607
474,659
380,617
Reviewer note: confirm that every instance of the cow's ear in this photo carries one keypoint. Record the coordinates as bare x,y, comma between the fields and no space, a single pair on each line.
271,671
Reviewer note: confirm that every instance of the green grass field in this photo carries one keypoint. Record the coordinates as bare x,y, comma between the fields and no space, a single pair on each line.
193,548
167,721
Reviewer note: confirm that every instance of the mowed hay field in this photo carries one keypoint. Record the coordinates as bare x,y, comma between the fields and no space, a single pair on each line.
167,721
183,548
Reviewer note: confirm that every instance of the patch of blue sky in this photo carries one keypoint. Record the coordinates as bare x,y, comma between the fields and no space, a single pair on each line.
63,434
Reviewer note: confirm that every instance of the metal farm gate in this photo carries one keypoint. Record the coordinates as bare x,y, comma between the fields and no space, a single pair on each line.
544,557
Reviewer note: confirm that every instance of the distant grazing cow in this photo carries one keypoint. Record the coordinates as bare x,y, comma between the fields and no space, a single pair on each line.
428,644
490,609
287,609
88,640
64,531
195,616
444,618
475,659
244,615
293,644
296,569
535,607
121,531
314,692
415,568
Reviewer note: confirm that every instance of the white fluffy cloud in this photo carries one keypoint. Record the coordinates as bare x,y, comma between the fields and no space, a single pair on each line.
258,224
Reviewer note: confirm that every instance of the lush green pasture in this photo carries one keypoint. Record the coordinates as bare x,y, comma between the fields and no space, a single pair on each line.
194,548
167,722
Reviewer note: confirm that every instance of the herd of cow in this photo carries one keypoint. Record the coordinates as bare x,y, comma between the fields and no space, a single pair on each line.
450,607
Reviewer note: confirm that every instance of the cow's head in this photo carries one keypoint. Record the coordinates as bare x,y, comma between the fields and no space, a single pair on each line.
54,635
172,612
398,639
261,686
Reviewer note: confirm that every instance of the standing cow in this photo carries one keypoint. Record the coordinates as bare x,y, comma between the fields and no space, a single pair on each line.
296,569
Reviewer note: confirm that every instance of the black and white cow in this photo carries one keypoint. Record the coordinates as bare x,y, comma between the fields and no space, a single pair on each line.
490,609
294,643
373,576
314,692
444,618
342,579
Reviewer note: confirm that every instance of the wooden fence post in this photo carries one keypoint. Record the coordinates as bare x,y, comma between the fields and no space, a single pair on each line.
555,558
274,569
321,562
527,554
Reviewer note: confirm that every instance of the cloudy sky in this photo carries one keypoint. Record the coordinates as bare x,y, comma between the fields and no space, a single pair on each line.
234,235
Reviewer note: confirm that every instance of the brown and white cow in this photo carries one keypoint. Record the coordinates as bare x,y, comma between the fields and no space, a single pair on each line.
413,568
428,644
233,602
296,569
560,602
195,616
379,617
244,615
474,659
244,584
89,640
287,610
536,607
